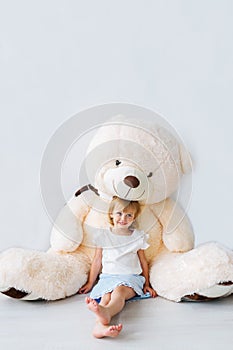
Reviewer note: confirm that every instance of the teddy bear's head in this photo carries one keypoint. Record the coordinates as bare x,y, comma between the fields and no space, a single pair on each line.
136,160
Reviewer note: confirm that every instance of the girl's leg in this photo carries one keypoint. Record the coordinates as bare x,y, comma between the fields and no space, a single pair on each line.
114,302
115,305
105,299
100,330
118,299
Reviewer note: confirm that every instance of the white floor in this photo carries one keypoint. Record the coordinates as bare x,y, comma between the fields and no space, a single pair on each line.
148,324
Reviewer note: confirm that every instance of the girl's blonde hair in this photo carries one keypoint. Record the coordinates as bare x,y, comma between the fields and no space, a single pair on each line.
123,205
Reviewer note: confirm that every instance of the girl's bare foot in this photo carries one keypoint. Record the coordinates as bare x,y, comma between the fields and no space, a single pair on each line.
101,331
100,311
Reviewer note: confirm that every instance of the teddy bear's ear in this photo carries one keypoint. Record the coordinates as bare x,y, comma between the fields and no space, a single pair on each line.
185,160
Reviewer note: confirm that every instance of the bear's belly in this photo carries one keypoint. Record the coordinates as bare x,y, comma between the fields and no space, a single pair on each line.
151,225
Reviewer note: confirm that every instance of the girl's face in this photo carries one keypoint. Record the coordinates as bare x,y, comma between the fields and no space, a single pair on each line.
123,219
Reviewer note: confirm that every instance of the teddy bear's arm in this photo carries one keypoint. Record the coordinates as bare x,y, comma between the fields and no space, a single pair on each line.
178,234
67,231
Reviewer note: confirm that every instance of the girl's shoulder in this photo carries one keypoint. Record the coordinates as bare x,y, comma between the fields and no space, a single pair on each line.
139,233
141,238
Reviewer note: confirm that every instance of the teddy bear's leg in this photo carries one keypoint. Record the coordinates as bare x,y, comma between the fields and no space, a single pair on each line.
199,274
31,275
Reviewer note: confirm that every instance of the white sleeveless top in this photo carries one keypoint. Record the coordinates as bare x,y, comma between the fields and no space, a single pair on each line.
120,252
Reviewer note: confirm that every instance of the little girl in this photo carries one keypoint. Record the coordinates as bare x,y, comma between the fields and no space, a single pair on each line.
120,253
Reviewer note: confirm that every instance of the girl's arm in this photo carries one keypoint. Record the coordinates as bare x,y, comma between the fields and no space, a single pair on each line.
94,271
145,273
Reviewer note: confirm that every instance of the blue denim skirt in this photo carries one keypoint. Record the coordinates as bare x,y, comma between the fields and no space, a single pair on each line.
107,283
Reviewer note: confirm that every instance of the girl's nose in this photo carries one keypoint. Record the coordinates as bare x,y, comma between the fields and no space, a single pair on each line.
124,217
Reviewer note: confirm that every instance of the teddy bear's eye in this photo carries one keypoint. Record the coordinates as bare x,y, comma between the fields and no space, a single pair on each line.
150,174
118,162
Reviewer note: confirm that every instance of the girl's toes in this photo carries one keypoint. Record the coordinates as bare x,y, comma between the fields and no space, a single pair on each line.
119,327
94,303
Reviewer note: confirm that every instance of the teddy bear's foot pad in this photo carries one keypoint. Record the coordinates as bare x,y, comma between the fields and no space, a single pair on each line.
15,293
20,294
195,297
222,289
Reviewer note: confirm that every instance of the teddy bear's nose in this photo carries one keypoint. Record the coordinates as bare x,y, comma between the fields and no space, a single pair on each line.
131,181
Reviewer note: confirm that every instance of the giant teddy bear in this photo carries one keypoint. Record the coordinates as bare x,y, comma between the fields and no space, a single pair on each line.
135,160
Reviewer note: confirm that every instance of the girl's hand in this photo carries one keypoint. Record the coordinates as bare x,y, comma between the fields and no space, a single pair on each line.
152,292
86,288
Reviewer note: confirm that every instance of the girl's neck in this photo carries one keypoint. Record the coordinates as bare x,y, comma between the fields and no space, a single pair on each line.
122,231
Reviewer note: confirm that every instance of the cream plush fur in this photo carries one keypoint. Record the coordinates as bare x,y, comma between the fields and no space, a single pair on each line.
158,160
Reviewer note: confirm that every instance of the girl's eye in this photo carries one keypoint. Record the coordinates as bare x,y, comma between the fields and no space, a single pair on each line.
118,213
129,215
118,162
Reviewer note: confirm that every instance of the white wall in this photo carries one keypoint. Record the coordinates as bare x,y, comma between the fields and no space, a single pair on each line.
60,57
